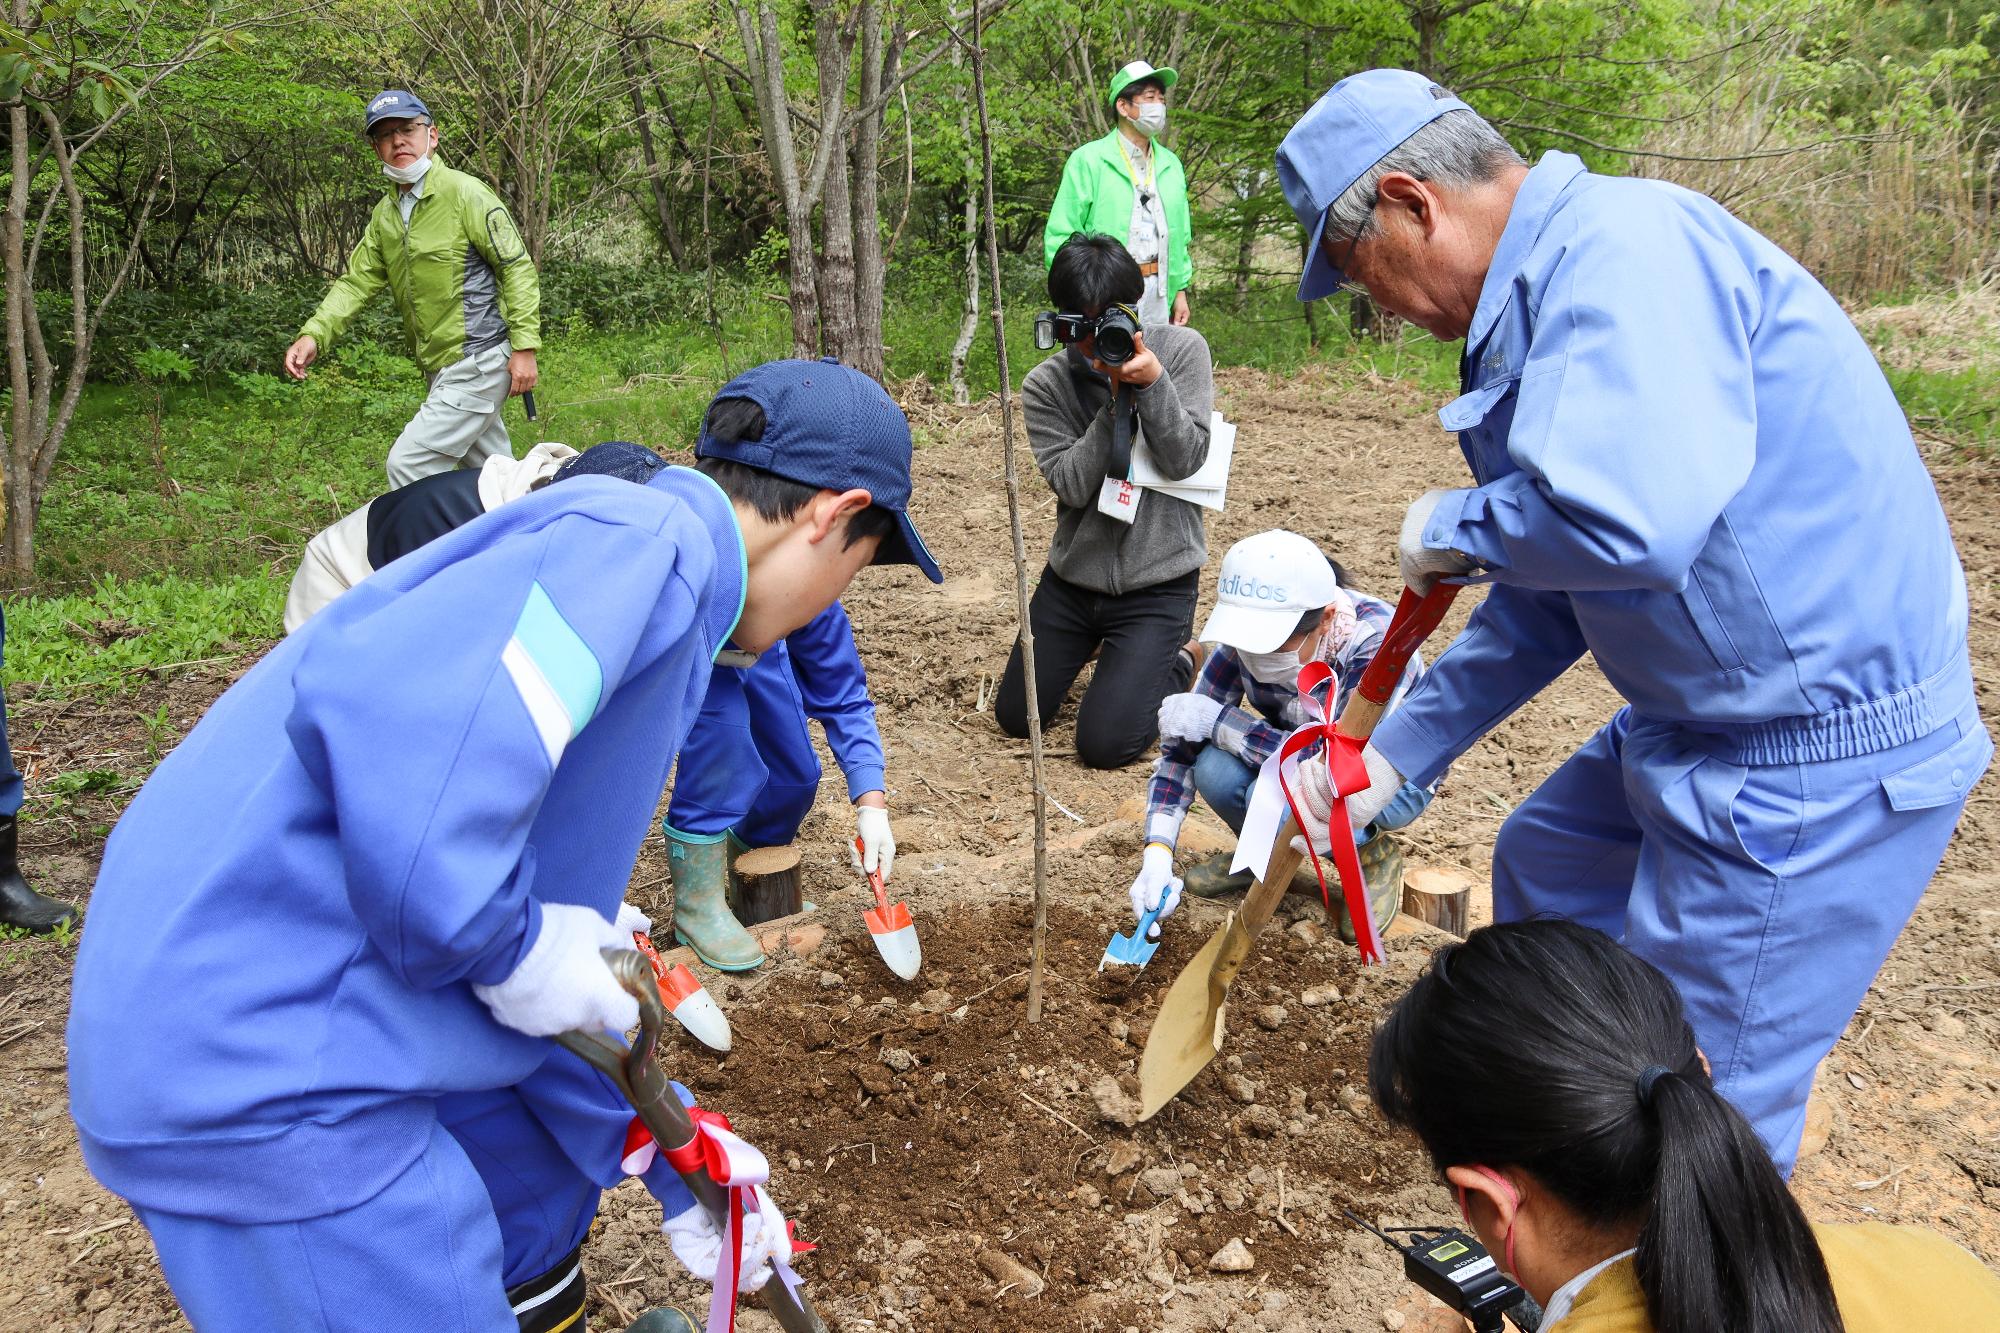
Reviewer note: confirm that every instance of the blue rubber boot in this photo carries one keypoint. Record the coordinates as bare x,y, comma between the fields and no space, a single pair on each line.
699,871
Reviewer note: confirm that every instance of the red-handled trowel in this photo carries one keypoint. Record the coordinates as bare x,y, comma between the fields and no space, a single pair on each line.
894,933
685,997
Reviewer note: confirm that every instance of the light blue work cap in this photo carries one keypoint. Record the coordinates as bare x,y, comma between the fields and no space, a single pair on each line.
1360,121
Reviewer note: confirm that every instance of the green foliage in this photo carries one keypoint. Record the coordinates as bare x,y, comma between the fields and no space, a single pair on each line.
106,638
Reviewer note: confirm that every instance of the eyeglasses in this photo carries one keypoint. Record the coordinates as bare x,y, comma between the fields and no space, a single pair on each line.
409,130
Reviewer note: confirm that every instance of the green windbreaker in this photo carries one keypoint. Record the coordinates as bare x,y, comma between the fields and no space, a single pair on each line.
458,271
1096,194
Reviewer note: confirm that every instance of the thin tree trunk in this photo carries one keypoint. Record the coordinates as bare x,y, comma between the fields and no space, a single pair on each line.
877,66
1038,947
968,324
20,310
837,330
764,58
662,206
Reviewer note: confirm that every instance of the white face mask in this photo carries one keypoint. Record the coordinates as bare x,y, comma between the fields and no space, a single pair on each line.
1152,119
1278,668
409,175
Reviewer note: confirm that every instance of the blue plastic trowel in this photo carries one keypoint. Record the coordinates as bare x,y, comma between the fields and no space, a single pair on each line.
1134,950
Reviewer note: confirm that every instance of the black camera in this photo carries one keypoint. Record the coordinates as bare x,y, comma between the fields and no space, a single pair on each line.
1115,331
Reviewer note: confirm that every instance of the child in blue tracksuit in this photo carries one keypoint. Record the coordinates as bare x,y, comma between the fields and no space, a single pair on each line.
748,776
377,876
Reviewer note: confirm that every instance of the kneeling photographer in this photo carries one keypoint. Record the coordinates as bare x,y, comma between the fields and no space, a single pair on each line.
1554,1080
1123,570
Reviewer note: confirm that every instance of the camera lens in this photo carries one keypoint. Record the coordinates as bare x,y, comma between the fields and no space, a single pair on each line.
1115,330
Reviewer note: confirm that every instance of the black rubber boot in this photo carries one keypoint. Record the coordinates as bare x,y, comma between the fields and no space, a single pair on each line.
20,905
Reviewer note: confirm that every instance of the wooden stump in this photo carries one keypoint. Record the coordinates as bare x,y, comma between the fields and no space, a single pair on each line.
767,884
1441,898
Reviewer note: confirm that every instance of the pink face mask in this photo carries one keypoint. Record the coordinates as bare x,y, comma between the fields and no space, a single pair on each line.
1512,1198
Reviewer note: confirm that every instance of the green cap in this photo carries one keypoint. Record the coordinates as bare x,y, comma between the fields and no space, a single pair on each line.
1136,71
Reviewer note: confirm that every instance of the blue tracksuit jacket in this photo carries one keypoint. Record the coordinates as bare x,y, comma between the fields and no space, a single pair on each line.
275,986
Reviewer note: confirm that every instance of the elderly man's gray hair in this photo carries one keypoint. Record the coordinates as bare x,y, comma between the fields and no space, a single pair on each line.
1458,149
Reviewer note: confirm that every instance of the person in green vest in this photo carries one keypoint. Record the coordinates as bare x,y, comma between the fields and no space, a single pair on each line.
1131,186
454,262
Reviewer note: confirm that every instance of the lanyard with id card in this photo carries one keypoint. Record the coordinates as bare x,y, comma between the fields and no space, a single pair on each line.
1119,496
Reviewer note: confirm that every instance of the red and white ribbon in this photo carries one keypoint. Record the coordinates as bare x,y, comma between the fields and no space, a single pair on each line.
1346,775
741,1170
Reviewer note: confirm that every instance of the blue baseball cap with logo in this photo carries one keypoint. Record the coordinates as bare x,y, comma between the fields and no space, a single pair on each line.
830,427
1360,121
394,104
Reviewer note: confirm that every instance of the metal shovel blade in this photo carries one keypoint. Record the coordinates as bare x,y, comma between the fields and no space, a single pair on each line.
1134,950
686,998
889,925
895,937
1195,1012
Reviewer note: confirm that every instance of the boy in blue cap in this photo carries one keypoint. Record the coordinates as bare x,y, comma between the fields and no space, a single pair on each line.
377,876
1685,459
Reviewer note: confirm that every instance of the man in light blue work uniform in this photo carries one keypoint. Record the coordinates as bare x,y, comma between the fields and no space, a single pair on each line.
1689,465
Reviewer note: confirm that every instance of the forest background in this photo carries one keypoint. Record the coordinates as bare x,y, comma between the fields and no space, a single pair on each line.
709,183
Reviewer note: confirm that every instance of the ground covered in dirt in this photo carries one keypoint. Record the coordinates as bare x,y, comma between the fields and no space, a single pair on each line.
1013,1177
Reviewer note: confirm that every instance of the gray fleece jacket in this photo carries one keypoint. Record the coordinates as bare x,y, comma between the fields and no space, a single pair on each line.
1067,408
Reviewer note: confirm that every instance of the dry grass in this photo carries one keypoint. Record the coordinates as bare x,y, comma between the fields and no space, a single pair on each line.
1904,207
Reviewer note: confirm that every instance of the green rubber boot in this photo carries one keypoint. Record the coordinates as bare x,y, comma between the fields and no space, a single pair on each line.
665,1319
1382,866
699,872
1210,877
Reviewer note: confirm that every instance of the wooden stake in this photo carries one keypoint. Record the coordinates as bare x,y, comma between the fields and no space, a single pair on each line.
767,884
1440,898
1039,946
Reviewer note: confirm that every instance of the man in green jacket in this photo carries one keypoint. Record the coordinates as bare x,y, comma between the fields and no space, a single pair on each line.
1131,186
449,253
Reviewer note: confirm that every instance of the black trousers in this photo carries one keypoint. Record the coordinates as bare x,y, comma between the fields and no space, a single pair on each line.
1140,634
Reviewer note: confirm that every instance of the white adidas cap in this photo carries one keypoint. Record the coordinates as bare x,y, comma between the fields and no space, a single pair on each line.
1268,581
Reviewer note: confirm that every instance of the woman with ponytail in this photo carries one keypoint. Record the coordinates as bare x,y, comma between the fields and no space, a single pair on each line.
1555,1082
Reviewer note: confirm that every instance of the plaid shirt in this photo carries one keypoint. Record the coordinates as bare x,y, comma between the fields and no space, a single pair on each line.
1255,736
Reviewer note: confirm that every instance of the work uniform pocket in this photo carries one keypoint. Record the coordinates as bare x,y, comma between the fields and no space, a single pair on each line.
1944,777
1470,409
1483,419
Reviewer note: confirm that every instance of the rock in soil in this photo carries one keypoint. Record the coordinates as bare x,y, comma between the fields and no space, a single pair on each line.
1235,1257
1160,1181
1008,1271
1115,1105
1239,1088
1122,1158
1272,1017
1263,1121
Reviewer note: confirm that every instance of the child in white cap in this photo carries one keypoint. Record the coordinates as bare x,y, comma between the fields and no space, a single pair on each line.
1280,603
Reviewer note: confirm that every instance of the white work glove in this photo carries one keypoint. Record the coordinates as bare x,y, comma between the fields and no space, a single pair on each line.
1188,717
563,984
1423,564
697,1242
1315,792
1157,886
631,921
878,845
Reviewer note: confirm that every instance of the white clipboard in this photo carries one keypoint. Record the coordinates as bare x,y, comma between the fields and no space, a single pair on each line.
1208,485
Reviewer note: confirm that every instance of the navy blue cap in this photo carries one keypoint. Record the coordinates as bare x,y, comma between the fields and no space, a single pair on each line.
614,458
1360,121
394,104
832,428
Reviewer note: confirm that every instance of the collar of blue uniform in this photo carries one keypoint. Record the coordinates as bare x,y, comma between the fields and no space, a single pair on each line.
1545,184
712,503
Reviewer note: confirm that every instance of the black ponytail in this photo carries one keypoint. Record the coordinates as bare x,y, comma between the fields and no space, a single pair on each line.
1525,1046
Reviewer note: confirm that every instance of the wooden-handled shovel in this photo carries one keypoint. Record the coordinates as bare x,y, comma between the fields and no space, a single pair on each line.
1193,1016
638,1075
